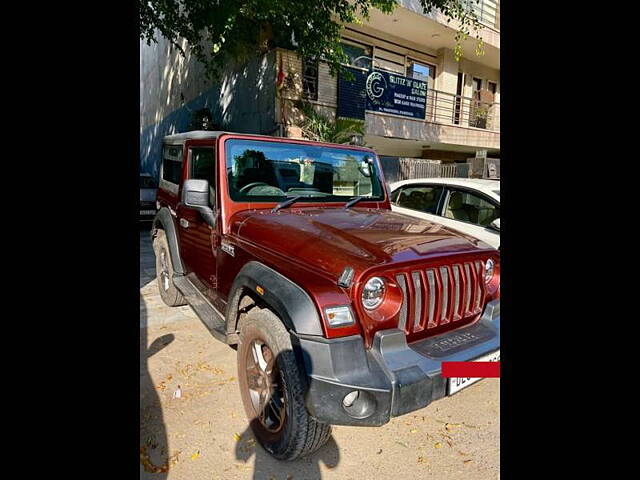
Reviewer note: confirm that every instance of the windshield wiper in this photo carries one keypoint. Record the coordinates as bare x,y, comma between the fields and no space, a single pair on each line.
286,203
353,201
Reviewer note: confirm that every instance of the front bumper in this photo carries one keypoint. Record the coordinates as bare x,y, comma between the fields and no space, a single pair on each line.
392,377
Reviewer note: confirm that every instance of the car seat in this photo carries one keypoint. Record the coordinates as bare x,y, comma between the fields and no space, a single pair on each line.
455,208
415,200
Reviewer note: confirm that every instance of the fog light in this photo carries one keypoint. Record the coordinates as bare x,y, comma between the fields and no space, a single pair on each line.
359,404
349,398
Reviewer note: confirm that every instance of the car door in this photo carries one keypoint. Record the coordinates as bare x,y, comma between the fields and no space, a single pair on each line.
198,241
470,212
418,200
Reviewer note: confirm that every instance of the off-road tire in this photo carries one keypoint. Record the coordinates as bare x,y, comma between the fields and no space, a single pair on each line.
168,291
301,434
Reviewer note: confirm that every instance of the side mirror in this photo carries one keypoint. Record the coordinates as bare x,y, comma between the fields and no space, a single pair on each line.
195,194
495,224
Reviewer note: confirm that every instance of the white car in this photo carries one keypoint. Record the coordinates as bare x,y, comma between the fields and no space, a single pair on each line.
469,205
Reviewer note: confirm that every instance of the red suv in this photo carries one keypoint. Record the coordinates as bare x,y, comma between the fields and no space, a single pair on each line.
341,310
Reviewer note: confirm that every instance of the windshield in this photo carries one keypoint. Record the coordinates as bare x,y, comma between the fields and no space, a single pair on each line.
269,171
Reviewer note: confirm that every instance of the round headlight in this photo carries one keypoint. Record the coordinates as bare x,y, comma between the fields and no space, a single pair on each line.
488,271
373,293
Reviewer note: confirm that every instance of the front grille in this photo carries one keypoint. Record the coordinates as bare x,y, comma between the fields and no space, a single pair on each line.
438,296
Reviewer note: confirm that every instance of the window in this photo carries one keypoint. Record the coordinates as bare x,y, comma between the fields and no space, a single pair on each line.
477,86
493,87
272,171
202,165
172,164
479,110
389,61
470,208
358,56
420,197
310,79
425,73
421,71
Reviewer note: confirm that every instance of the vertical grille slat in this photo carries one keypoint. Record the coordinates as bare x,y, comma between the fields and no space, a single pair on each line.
468,291
417,286
440,296
477,306
456,293
444,298
431,312
402,323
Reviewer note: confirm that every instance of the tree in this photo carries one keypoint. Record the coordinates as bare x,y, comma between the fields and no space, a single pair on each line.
218,31
321,128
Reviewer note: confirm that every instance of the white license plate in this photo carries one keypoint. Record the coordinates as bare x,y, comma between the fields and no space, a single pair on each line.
457,384
147,212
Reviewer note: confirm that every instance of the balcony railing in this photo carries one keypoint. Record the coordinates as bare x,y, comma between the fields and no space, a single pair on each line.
452,109
487,11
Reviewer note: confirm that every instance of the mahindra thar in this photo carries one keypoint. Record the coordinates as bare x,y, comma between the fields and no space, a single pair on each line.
341,311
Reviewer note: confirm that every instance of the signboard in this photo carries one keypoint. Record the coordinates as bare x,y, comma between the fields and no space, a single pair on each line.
390,93
351,95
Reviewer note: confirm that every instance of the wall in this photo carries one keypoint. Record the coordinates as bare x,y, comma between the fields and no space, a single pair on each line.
172,87
286,113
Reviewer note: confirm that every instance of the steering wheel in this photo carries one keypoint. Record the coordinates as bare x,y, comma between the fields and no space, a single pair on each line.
249,186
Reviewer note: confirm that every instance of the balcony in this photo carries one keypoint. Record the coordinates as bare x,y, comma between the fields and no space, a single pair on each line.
487,11
446,108
452,122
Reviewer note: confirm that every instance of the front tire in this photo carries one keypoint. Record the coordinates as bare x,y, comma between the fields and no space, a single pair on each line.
164,272
272,389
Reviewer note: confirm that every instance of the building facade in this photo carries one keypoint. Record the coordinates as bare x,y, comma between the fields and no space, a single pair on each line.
416,100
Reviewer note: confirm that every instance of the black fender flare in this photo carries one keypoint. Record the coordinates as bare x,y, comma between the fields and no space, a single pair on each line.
164,219
291,303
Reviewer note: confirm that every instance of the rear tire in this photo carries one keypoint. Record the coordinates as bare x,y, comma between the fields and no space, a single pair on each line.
265,357
164,272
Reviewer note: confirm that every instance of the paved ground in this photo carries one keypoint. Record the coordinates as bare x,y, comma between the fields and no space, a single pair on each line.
203,434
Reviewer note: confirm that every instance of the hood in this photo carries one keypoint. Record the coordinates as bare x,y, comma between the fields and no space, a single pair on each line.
332,238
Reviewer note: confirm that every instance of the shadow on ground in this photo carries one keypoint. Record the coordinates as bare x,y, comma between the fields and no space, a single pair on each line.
266,466
272,412
155,454
154,457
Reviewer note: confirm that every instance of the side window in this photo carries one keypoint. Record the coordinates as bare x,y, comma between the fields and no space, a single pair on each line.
471,208
420,197
202,166
393,198
172,164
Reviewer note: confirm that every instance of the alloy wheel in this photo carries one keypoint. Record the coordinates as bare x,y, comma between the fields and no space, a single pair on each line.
164,272
265,389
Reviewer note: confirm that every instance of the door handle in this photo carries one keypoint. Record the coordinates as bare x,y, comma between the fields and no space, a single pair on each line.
184,223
